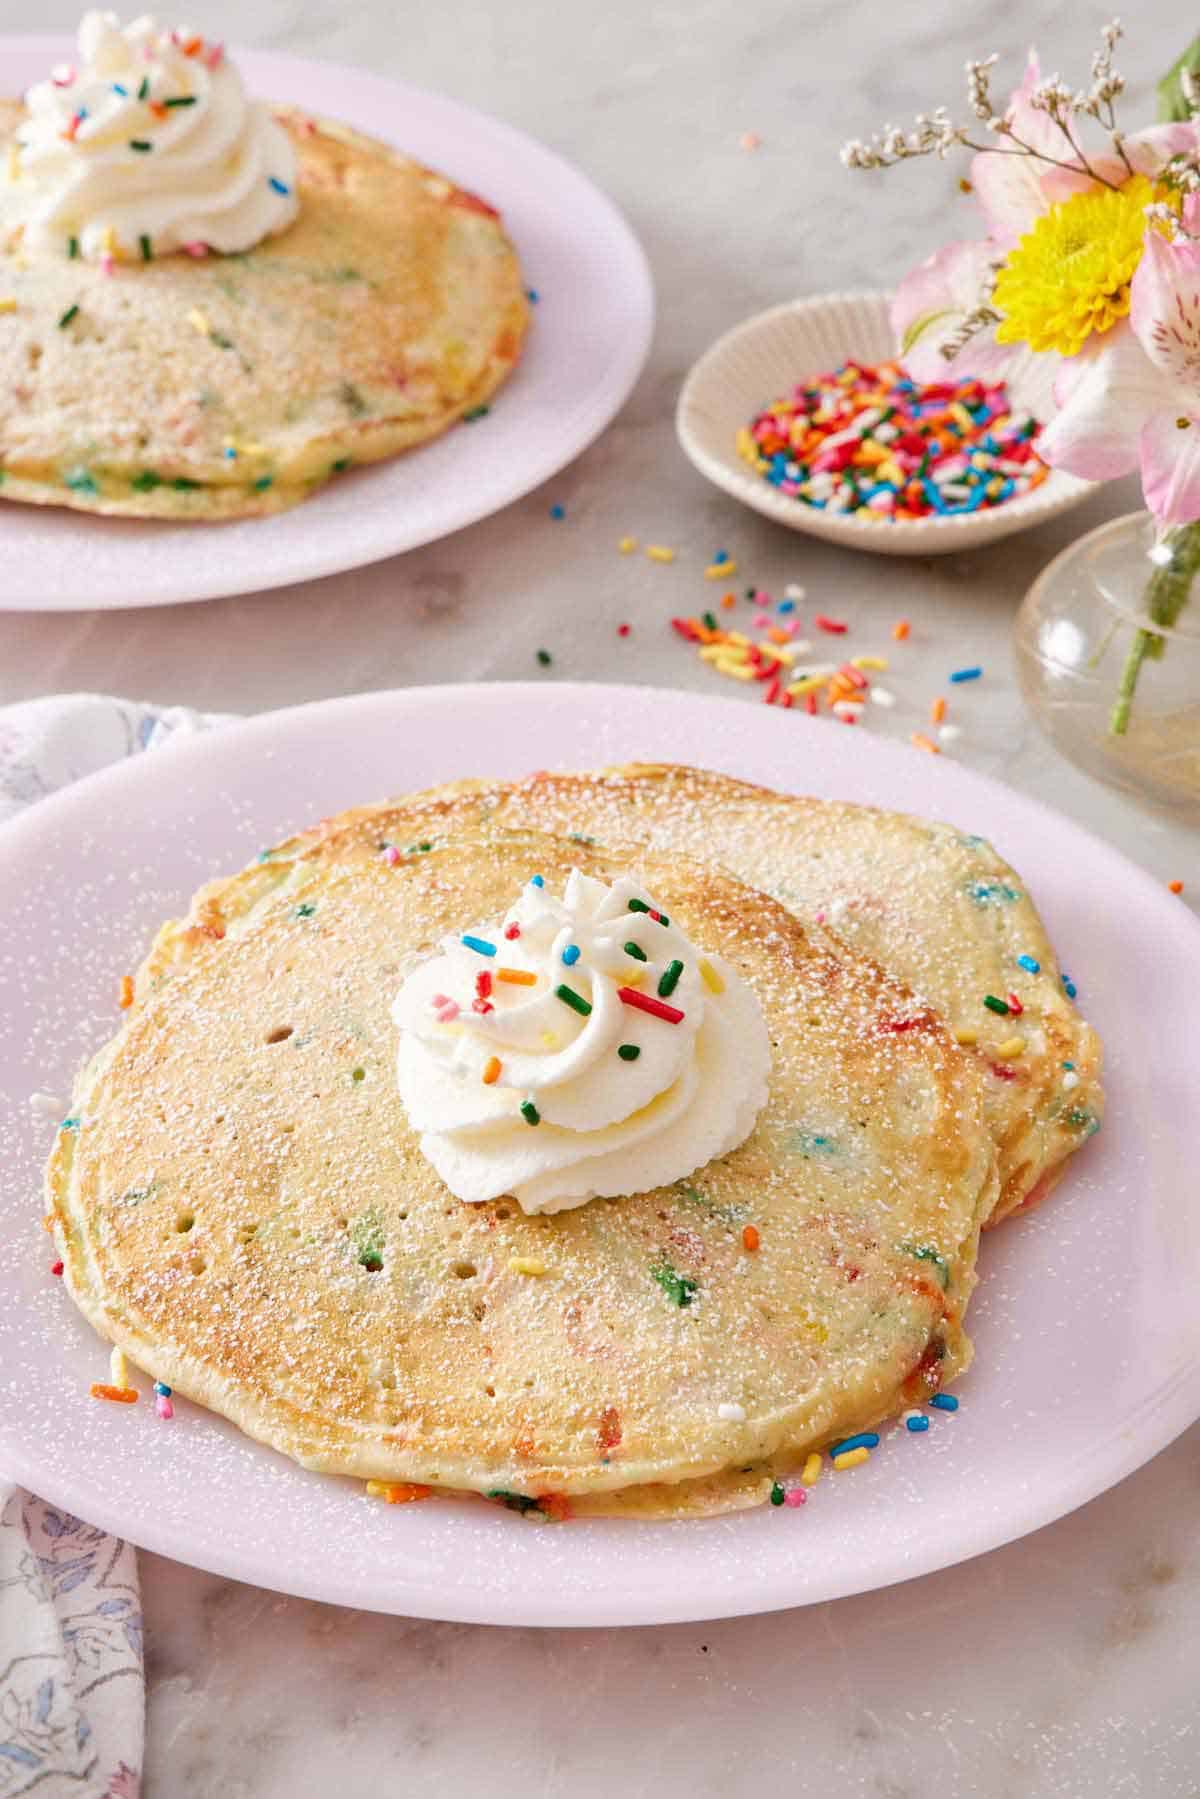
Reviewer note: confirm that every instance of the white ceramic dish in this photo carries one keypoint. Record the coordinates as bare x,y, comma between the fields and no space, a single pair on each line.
588,339
766,356
1086,1326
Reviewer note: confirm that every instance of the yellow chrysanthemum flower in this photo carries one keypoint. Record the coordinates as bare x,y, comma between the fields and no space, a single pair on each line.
1070,275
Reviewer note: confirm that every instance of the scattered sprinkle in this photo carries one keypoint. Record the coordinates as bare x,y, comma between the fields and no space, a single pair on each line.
853,1458
916,1421
7,304
491,1071
643,1002
526,1265
627,545
937,711
530,1113
949,733
628,1052
730,1413
544,658
944,1402
571,955
867,1439
119,1395
72,312
749,140
1011,1048
146,248
883,696
966,674
999,1006
162,1390
811,1472
669,979
1070,1081
557,511
480,945
658,552
795,1496
921,742
576,1001
966,1037
835,626
623,630
273,182
517,977
56,1268
140,143
711,978
720,571
1174,886
536,881
778,1495
901,629
680,1289
750,1237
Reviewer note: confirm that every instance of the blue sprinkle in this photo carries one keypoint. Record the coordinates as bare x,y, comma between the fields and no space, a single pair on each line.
124,93
162,1389
945,1402
966,674
1069,1066
536,881
230,454
278,186
1030,964
786,606
69,1124
920,1422
532,295
480,945
1069,987
866,1439
571,954
720,555
558,512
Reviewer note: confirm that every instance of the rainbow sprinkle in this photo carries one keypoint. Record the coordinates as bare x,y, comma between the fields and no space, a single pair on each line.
867,440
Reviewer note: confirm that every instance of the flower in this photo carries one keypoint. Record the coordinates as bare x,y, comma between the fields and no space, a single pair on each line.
1135,403
1070,275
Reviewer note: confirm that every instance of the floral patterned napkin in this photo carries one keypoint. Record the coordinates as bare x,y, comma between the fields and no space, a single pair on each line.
72,1690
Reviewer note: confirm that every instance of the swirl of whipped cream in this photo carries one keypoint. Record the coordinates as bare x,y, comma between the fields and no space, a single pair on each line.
148,145
580,1047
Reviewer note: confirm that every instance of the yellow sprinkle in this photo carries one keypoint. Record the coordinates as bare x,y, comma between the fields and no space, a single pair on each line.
807,685
627,545
14,163
550,1040
8,304
966,1038
889,471
711,978
635,977
851,1458
1012,1046
869,662
812,1469
737,637
717,571
526,1265
108,241
377,1489
746,445
199,322
738,672
658,552
118,1368
786,656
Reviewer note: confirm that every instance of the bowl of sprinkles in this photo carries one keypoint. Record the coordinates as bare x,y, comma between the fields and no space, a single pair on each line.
804,414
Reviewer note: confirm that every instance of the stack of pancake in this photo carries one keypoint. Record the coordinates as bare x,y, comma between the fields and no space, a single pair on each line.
244,1208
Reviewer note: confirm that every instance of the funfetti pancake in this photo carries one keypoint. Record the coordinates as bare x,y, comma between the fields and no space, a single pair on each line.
243,1202
936,905
213,386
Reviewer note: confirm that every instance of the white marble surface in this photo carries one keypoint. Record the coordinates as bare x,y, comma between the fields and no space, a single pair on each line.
1060,1666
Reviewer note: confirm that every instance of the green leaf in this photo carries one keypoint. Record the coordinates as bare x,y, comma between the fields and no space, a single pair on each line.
918,327
1173,109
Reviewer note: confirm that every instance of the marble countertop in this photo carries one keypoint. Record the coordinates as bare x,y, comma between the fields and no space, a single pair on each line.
1060,1666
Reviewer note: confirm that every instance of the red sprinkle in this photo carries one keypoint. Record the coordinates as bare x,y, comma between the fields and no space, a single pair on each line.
685,628
483,983
623,630
1002,1073
1015,1006
56,1267
482,1005
835,626
645,1002
512,932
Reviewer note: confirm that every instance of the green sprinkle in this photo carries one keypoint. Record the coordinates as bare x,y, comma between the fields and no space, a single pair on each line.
628,1052
669,979
72,312
576,1001
631,949
996,1005
263,482
146,247
140,143
516,1502
181,484
145,87
81,482
304,910
181,100
340,466
710,619
476,412
680,1289
1081,1120
545,658
358,1074
530,1113
69,1124
777,1494
366,1234
73,248
637,905
146,482
924,1253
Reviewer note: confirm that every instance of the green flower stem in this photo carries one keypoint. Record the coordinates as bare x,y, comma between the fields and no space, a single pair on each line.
1167,593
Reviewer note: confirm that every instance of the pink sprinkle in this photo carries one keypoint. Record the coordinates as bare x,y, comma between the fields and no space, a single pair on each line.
163,1406
391,856
820,918
64,79
795,1496
196,249
761,621
763,598
439,1000
106,264
215,56
448,1012
749,140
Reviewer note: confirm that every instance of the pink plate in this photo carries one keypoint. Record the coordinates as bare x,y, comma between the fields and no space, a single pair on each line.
588,339
1085,1321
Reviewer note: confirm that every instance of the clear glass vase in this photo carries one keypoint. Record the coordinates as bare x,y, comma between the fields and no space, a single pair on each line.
1108,655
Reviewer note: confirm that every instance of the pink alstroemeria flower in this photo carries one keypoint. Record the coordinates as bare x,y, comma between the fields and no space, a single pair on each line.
1135,402
934,299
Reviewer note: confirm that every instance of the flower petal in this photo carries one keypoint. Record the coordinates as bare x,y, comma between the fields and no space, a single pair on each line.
1016,190
1148,150
1165,312
1096,432
1170,454
932,301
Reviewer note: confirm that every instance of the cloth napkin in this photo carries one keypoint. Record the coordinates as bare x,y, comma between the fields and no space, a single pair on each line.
72,1683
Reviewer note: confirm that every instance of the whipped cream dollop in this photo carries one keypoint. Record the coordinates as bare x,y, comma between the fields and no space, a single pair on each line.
146,145
580,1047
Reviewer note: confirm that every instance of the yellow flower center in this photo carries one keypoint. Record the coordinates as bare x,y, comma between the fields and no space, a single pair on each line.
1070,275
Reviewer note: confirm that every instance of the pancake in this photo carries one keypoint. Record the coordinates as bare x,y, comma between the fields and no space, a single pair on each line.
241,1204
392,306
937,906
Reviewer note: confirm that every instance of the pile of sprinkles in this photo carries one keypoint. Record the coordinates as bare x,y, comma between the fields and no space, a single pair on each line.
867,440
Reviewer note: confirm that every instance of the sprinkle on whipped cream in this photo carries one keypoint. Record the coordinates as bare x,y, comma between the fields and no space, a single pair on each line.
146,145
580,1047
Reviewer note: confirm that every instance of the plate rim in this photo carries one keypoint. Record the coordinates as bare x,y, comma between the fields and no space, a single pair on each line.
634,347
1058,494
1173,1408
